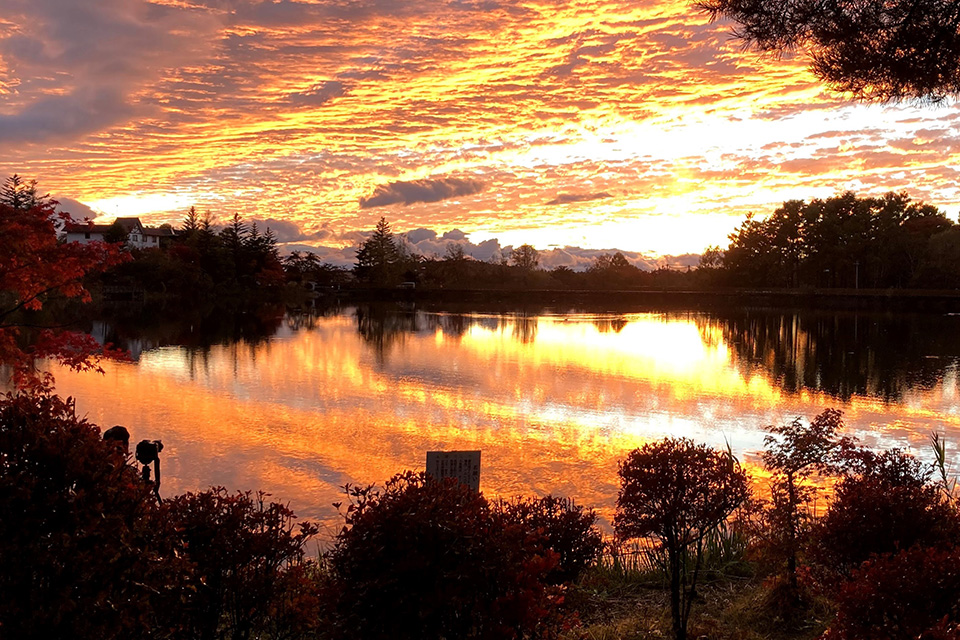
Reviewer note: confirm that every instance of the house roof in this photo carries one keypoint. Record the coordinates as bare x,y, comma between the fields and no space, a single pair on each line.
127,224
162,232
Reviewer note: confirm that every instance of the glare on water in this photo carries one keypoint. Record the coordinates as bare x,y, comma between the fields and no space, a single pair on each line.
553,400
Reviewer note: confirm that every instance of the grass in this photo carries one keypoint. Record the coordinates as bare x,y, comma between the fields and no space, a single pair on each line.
726,609
625,596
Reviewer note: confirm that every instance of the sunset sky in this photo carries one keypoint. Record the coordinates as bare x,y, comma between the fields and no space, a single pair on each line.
599,125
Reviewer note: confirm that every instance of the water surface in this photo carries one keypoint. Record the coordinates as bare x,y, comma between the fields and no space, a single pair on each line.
300,404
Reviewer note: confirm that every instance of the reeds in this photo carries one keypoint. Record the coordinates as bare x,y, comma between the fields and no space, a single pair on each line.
948,483
645,560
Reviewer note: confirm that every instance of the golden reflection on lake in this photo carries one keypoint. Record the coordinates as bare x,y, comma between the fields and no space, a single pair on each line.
553,402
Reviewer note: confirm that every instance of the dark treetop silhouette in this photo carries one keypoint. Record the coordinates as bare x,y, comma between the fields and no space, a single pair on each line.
875,50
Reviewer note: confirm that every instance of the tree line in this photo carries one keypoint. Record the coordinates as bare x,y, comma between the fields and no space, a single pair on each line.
238,260
843,241
839,242
384,261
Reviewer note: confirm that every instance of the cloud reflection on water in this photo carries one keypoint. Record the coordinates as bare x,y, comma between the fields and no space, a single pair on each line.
553,401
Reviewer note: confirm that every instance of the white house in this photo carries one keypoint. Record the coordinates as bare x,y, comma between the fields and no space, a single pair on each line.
138,236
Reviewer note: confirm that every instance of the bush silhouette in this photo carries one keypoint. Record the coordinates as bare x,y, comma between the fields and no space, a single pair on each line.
84,551
886,506
426,559
677,492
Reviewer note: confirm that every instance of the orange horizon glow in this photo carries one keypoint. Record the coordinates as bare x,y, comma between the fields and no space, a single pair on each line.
600,125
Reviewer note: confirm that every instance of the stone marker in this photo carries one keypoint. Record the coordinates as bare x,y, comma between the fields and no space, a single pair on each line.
462,465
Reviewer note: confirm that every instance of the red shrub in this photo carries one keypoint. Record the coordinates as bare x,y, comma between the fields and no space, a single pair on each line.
888,508
566,528
795,453
678,492
84,552
429,559
904,596
239,546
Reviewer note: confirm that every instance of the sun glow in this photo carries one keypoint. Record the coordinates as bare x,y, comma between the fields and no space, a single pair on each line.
634,114
142,203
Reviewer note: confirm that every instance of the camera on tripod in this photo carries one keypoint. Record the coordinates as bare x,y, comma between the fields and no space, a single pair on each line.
148,452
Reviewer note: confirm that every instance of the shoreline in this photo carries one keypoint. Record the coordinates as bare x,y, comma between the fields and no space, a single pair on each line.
900,300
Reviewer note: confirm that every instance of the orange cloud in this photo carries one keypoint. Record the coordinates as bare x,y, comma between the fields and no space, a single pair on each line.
321,112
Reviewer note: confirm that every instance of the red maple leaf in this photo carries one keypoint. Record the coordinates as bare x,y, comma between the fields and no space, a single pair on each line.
35,265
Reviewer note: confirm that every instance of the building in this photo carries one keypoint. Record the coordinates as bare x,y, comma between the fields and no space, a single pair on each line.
138,236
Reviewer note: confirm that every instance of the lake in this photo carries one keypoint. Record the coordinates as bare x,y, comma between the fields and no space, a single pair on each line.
301,404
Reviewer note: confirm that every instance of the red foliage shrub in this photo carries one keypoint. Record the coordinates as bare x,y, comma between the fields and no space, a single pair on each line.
903,596
239,546
795,453
33,266
84,551
565,528
299,608
428,559
887,508
678,492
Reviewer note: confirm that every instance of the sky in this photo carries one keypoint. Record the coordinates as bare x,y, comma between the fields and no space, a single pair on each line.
579,126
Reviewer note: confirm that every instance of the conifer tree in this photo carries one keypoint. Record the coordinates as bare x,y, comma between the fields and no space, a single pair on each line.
379,258
21,195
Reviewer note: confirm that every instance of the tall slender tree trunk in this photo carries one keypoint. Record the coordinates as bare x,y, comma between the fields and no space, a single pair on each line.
792,541
679,629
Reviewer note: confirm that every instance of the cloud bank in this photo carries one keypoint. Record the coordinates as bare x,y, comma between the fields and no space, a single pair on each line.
601,119
565,198
431,244
407,193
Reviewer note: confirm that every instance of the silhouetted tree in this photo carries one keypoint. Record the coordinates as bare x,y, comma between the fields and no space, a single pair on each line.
711,258
301,266
565,275
613,271
677,492
234,233
191,223
454,253
841,241
941,266
793,454
525,257
20,195
379,259
116,233
874,50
